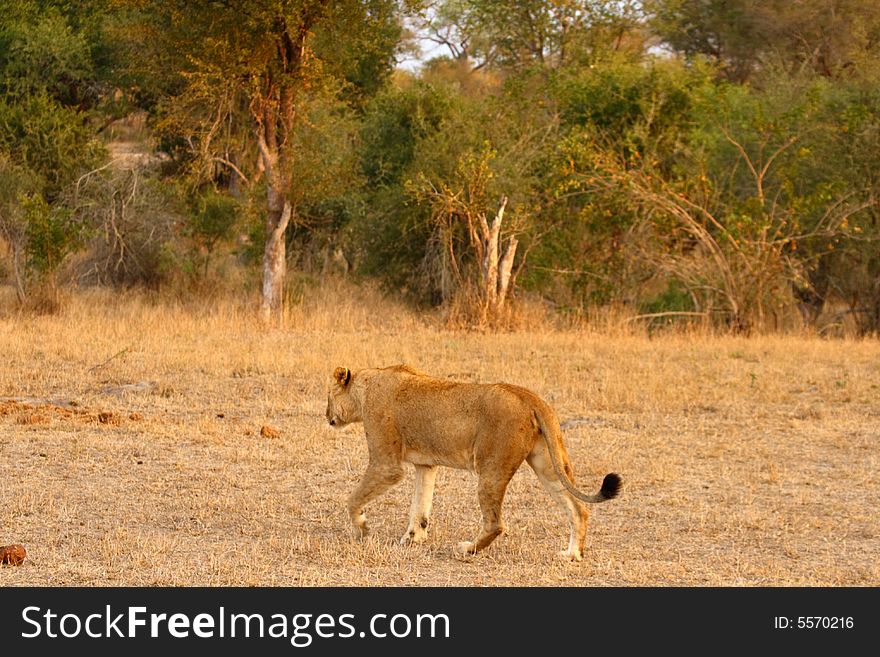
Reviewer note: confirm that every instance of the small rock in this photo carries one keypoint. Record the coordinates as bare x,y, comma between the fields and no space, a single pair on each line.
12,555
269,432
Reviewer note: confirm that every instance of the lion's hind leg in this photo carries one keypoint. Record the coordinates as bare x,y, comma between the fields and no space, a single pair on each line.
490,490
420,510
575,510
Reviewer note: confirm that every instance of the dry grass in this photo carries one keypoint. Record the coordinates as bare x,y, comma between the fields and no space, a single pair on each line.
746,461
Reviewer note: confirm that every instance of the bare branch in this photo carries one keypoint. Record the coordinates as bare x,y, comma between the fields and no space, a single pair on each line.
238,172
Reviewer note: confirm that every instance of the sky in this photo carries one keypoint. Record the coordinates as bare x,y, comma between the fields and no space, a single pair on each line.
429,50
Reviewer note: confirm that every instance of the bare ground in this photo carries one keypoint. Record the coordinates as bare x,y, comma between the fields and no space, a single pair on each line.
131,453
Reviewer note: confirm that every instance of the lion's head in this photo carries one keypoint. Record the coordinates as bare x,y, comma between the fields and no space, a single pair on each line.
342,408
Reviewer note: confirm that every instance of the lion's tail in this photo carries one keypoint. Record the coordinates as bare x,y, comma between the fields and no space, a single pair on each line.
553,439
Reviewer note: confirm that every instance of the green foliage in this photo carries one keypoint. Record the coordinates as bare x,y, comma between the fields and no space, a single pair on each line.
741,167
326,178
634,114
46,79
18,181
745,213
365,58
215,71
675,298
51,234
213,219
47,84
40,54
519,35
726,31
430,140
642,110
396,121
51,140
742,36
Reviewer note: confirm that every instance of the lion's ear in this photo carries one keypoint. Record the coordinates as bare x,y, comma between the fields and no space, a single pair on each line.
342,375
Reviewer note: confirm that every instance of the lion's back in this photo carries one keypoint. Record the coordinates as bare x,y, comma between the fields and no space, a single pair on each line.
425,409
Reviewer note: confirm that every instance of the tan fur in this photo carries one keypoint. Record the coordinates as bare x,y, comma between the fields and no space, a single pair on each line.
487,428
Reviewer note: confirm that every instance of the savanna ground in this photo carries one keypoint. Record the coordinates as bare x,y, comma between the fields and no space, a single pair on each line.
131,452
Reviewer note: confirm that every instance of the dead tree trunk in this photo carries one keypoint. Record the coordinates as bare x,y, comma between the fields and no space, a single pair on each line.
496,267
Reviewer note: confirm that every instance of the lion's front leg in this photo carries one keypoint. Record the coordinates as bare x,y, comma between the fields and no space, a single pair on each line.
420,510
376,480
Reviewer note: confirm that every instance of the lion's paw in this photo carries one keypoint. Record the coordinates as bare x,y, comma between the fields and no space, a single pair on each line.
414,537
568,555
465,547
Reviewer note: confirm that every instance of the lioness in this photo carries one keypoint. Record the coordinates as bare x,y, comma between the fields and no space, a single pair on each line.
487,428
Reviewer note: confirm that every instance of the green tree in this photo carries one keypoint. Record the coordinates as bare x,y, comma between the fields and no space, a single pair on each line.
18,183
211,222
47,142
744,36
516,35
845,158
743,212
40,54
246,74
391,235
726,31
439,158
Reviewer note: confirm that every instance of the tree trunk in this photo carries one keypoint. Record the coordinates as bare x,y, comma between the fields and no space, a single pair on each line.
277,169
274,264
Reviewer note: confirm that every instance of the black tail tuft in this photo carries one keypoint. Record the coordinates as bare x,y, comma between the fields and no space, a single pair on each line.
611,486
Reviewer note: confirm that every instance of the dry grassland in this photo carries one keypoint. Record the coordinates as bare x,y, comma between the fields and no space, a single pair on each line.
745,461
